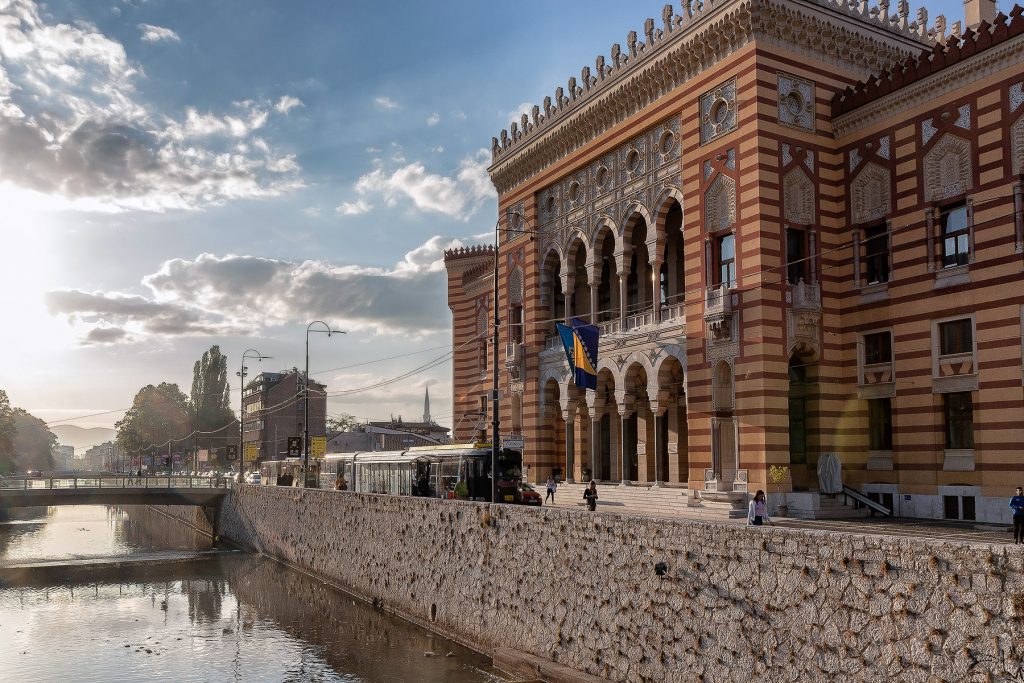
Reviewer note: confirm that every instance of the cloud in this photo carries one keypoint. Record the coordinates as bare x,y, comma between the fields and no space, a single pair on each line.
154,34
373,150
434,119
438,150
353,208
72,126
287,103
384,102
517,114
458,196
218,295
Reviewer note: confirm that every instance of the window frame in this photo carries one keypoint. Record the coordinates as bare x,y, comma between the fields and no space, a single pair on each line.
944,236
868,356
720,263
880,430
885,254
963,323
965,440
802,267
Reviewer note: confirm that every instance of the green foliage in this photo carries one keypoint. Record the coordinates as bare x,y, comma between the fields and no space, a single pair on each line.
33,442
7,432
211,395
158,414
343,423
778,474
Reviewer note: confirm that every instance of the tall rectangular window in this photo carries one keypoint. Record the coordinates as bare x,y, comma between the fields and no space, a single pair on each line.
482,359
877,348
955,235
876,254
516,324
796,256
727,261
956,336
880,424
959,419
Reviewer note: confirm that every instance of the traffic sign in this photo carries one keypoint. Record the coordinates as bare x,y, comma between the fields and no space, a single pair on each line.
231,452
514,442
318,446
294,446
251,451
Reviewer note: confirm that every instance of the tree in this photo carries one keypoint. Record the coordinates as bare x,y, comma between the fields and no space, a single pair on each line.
211,396
158,414
7,432
343,423
33,442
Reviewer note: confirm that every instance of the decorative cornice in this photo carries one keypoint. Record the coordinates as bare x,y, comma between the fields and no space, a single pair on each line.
942,56
960,75
851,34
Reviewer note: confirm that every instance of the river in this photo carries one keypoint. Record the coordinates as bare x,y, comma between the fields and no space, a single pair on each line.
100,593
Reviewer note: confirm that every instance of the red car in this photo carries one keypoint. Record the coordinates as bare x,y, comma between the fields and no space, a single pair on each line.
529,495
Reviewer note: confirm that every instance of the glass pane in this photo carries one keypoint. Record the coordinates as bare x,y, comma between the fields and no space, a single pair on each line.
954,219
955,337
727,248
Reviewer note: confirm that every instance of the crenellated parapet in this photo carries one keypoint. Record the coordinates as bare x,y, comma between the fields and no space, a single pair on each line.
946,51
472,251
681,45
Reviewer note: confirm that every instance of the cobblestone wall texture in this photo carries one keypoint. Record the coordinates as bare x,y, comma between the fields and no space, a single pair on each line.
581,589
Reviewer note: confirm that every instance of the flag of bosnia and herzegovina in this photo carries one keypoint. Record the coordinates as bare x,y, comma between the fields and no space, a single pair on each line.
580,342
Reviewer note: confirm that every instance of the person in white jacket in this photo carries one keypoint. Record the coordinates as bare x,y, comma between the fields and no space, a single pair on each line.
757,513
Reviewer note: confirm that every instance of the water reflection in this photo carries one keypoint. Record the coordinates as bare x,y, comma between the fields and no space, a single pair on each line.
225,616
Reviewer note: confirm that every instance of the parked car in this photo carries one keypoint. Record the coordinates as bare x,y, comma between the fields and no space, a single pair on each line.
252,478
529,495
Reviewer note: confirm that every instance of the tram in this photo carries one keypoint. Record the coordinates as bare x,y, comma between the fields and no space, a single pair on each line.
287,472
427,471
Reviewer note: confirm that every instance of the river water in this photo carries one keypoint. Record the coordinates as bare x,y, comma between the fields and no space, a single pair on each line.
125,594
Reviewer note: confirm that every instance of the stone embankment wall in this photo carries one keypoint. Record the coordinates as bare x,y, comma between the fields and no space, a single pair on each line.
581,589
191,515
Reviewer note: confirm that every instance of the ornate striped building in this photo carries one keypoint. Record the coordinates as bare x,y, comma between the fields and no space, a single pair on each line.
799,226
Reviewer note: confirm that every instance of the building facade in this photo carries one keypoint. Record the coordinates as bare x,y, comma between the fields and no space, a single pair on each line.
104,457
273,409
799,227
63,458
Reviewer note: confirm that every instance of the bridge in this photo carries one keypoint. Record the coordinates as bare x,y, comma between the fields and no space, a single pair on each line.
112,490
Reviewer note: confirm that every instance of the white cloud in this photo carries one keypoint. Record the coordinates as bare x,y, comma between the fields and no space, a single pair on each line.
217,295
434,119
458,196
373,150
438,150
287,103
354,208
517,114
154,34
460,115
385,102
72,127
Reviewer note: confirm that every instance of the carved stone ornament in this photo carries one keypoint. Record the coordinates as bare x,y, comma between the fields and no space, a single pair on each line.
720,203
718,112
947,168
1016,96
798,197
515,286
796,102
870,194
1017,145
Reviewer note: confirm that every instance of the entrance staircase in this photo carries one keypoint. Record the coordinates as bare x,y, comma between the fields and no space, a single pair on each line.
646,499
814,505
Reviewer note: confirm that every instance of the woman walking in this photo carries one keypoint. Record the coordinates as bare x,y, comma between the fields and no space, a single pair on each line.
590,494
1017,505
552,487
757,513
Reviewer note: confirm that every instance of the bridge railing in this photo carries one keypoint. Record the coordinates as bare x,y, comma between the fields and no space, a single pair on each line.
112,482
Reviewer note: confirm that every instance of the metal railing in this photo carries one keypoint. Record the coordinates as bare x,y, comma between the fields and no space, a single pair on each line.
112,482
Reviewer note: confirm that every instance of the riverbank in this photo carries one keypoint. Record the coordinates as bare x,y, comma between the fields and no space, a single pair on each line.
587,590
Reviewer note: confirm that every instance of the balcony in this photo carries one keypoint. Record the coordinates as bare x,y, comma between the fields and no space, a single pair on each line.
639,319
806,296
613,326
552,343
673,311
718,312
513,354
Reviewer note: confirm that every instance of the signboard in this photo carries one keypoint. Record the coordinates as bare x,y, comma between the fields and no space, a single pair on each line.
318,446
204,455
294,446
231,452
513,442
251,451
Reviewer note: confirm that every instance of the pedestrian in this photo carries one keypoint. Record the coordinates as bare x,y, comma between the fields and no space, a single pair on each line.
590,494
1017,505
340,484
757,513
552,487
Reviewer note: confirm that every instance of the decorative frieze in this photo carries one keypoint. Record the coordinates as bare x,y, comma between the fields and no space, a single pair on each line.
718,111
870,194
720,203
798,197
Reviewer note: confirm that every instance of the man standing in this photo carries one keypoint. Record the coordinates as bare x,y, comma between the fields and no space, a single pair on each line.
1017,505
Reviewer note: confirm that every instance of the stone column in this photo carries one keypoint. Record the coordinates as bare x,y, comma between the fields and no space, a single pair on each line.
812,241
569,417
623,280
568,289
656,409
656,290
594,280
595,438
624,404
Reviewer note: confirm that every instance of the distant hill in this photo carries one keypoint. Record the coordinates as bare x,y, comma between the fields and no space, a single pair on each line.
82,438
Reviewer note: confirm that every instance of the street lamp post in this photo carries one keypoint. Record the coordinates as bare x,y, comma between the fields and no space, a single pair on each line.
305,398
495,418
241,401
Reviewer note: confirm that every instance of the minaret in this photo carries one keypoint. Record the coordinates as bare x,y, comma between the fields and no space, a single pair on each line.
426,405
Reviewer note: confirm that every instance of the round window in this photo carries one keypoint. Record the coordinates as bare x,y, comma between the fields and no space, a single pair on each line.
719,111
794,103
633,161
574,192
667,142
550,204
602,176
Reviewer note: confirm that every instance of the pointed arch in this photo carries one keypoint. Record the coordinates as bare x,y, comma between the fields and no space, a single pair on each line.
947,168
720,203
798,197
870,194
723,387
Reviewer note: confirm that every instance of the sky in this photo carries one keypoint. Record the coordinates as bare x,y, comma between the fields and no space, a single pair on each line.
181,173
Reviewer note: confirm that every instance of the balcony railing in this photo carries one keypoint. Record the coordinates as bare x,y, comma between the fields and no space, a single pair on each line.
612,326
645,317
552,343
807,295
673,311
717,301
